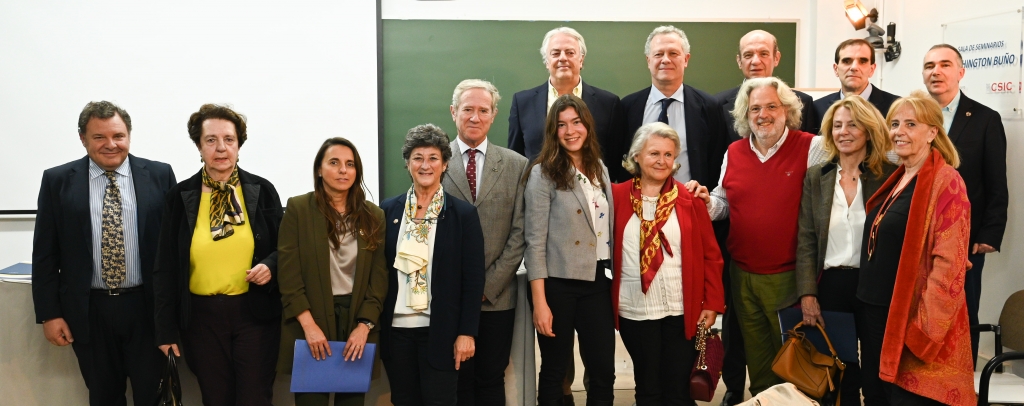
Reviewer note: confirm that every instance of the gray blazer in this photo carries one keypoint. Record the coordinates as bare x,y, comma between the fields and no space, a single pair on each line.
815,215
560,236
499,201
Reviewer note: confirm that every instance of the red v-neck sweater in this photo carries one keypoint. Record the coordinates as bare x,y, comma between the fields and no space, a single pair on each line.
764,203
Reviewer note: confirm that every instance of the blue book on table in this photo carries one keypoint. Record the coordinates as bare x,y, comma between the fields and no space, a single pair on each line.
332,374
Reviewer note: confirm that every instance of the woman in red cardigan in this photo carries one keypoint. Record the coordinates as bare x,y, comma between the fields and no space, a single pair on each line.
913,266
668,277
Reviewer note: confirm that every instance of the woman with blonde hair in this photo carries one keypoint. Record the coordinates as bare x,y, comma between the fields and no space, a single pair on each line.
832,221
913,265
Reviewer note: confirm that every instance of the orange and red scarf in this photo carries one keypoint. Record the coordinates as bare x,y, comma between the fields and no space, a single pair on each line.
651,236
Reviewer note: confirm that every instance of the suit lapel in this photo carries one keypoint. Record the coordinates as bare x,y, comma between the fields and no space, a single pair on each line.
143,191
960,118
540,106
827,182
577,189
457,171
321,244
694,130
79,181
491,172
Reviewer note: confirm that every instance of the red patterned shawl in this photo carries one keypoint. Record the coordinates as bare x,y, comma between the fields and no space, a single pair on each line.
927,344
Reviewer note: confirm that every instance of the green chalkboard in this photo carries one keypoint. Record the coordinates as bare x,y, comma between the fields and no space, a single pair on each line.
423,60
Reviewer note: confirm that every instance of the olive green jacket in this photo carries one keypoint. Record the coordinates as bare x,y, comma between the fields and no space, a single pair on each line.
304,275
815,215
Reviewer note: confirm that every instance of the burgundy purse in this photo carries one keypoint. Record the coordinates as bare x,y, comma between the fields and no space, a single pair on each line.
708,366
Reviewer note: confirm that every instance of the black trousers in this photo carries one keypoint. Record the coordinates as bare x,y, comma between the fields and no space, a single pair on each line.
586,307
972,291
837,292
482,378
413,381
734,365
121,346
662,360
233,354
871,321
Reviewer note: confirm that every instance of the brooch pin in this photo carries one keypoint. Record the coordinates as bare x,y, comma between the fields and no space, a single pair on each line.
968,114
395,221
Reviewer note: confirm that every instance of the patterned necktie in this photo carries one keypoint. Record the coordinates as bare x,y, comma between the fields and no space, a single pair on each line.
663,117
112,241
471,172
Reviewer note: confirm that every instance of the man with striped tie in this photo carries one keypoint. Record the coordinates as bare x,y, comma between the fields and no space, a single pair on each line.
95,239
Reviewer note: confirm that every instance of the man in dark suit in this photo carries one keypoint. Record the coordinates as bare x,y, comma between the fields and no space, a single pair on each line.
96,232
977,131
563,51
691,112
855,63
757,58
489,177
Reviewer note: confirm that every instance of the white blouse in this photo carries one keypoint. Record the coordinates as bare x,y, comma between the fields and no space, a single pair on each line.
404,315
845,228
598,214
665,295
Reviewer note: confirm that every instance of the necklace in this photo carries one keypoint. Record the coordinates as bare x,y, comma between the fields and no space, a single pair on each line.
886,204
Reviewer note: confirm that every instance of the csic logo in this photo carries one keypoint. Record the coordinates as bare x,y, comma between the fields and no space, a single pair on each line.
1003,87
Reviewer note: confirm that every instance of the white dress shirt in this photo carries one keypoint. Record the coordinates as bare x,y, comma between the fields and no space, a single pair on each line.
845,227
719,207
676,120
949,111
665,295
481,154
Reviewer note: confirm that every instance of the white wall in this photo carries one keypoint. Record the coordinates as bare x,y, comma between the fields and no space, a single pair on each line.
301,71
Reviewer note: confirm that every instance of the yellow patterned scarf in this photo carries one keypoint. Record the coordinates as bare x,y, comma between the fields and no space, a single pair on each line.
414,248
225,211
651,236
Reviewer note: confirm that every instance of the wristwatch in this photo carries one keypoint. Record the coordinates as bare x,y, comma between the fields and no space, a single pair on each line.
369,324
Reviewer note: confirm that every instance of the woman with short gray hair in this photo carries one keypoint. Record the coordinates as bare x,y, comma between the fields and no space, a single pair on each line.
434,251
668,276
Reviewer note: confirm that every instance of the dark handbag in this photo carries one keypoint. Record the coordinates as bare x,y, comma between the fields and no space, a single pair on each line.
799,363
708,366
169,391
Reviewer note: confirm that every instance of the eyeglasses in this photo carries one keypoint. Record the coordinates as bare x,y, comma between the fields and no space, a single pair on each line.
755,110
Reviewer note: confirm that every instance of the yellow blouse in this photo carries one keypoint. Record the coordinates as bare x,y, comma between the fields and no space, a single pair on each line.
218,267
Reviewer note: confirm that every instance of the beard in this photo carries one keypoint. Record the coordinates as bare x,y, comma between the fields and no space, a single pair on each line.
772,132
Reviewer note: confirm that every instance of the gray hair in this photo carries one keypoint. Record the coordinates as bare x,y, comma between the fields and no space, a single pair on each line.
468,84
562,30
667,29
427,135
644,134
786,95
102,110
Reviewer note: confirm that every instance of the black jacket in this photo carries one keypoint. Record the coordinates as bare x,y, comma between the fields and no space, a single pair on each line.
879,98
171,274
62,261
706,136
456,280
979,136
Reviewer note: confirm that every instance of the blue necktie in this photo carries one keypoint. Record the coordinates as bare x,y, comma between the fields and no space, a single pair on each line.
663,117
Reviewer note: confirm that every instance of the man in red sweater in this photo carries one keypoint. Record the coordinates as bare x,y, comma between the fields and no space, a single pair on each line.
759,190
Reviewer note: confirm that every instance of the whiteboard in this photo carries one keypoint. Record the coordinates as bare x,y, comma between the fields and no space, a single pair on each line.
300,71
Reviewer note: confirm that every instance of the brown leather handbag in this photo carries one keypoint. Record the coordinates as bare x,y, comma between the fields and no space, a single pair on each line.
799,363
708,366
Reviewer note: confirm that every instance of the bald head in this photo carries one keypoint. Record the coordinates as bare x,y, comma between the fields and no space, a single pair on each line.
758,54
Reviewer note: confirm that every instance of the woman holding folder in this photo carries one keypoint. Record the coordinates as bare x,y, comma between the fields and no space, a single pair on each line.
331,266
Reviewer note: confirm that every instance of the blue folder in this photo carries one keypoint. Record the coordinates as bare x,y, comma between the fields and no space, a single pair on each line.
332,374
839,326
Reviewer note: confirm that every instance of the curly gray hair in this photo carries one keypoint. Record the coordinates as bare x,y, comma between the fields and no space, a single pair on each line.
644,134
786,95
427,135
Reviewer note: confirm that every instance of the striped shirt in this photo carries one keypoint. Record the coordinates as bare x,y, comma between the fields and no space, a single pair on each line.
97,189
